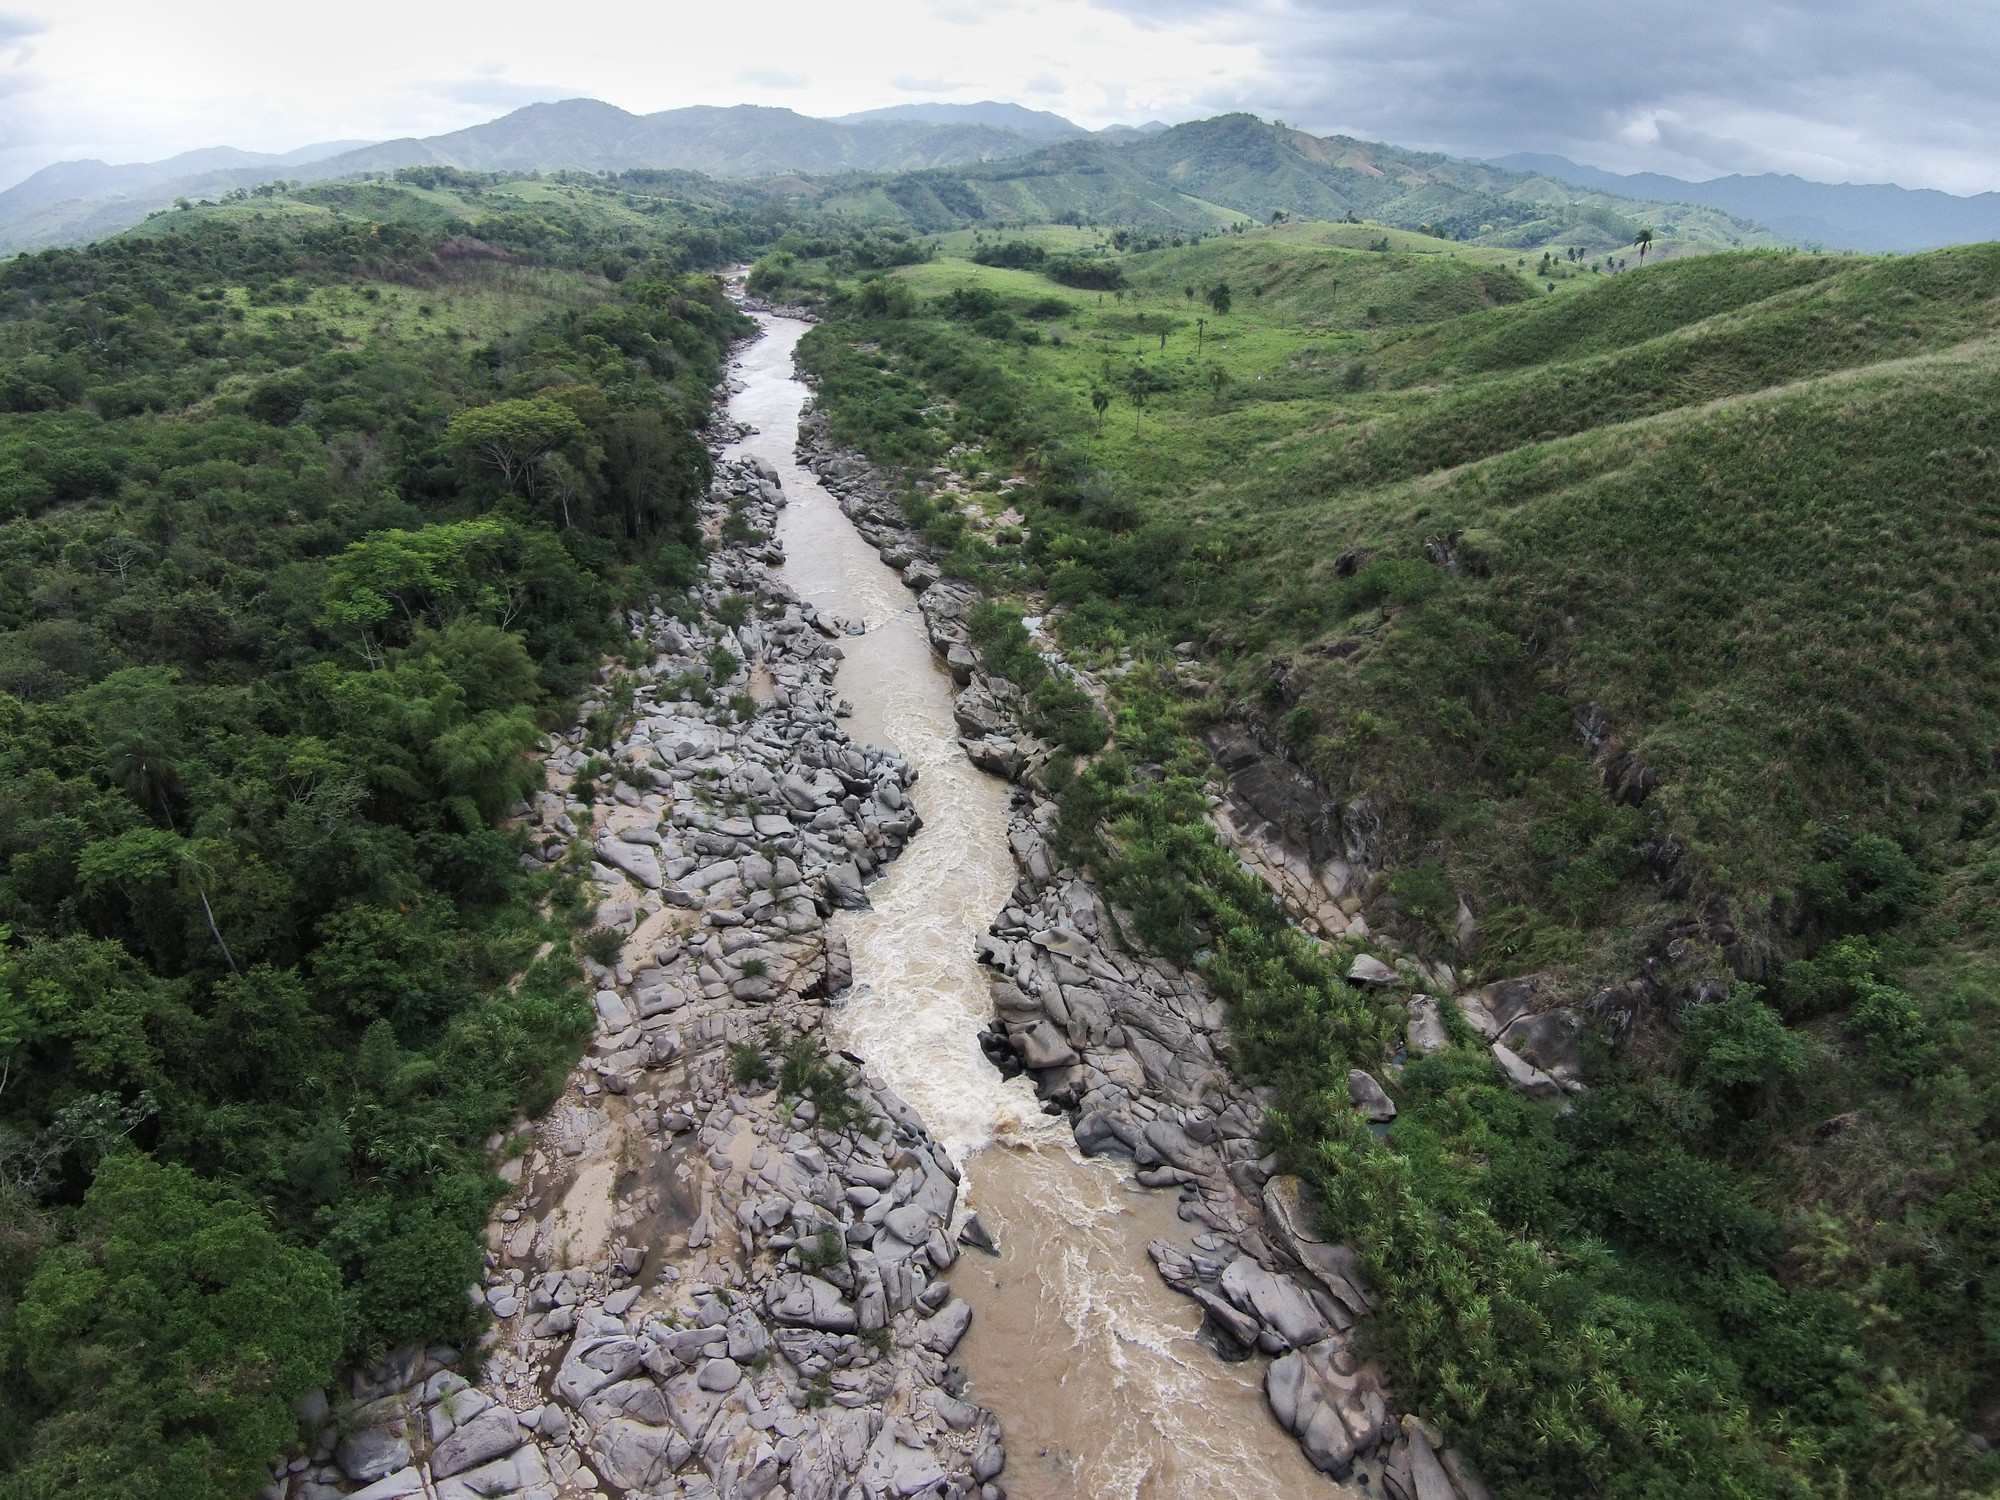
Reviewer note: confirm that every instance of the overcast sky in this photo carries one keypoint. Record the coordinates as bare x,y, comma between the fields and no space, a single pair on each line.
1841,90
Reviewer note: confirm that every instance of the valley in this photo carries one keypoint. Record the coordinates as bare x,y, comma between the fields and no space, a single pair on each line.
938,852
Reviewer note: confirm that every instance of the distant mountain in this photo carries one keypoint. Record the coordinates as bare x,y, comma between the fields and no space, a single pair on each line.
1215,172
1836,216
986,112
75,201
96,179
930,173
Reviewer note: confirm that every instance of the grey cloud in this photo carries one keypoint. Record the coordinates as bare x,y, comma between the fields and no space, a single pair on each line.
1841,87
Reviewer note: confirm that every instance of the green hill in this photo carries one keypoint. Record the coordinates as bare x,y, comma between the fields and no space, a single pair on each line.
1648,621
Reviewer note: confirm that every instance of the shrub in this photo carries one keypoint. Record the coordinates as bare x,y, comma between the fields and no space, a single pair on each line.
1862,883
1015,255
602,944
748,1065
1085,275
1736,1047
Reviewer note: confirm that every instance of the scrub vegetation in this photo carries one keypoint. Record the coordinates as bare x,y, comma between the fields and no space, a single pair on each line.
1644,623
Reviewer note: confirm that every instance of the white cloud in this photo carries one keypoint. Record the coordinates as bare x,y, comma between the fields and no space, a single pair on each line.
136,80
1854,89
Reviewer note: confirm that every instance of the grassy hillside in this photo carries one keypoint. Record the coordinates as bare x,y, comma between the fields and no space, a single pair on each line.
278,633
1651,617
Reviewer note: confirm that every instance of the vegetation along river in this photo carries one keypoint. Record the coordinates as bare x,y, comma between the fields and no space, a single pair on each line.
1088,1358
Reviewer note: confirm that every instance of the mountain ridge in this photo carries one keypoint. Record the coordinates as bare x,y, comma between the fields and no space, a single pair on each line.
1832,215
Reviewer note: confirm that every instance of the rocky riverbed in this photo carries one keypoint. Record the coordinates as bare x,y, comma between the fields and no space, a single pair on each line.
721,1271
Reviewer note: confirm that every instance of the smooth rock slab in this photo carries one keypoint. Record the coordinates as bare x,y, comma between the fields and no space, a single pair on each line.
490,1435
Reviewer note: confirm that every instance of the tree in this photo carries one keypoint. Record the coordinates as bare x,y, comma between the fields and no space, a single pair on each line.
511,436
408,574
169,1341
1645,243
1100,401
1218,381
1218,297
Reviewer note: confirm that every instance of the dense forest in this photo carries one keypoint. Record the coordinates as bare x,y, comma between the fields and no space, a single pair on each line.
315,508
1639,629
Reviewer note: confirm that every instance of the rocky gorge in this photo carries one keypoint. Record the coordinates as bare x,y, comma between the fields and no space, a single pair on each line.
722,1268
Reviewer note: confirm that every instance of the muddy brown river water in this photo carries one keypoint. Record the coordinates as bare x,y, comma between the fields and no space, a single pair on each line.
1087,1357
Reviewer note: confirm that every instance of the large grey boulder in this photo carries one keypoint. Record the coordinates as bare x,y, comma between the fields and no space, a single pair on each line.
941,1331
1305,1406
1368,969
843,887
1552,1041
492,1434
1042,1046
372,1453
1289,1220
806,1301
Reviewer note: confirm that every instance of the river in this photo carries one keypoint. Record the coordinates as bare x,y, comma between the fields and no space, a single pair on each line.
1086,1356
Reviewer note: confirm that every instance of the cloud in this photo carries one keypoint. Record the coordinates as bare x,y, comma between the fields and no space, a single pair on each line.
1857,88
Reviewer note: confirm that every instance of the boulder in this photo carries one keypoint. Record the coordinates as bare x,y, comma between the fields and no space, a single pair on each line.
1369,1097
372,1453
1478,1017
1278,1302
1523,1076
807,1301
1426,1032
941,1332
1041,1045
974,1232
843,887
1305,1406
635,1456
1368,969
492,1434
1551,1041
395,1486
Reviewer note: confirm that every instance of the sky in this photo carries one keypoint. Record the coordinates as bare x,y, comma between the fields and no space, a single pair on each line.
1839,90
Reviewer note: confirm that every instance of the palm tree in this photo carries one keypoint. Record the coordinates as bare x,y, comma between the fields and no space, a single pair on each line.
1645,243
1100,400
